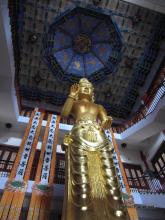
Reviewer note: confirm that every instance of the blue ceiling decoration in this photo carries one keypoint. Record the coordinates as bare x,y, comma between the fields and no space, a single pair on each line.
82,43
57,42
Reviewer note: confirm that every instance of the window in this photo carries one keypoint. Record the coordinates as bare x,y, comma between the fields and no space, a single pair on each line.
8,155
35,165
7,158
135,177
158,162
60,169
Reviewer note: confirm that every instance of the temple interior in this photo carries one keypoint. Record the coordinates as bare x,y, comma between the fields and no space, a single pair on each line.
47,46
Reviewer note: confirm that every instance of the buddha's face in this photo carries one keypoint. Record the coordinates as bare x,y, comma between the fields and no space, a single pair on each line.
85,91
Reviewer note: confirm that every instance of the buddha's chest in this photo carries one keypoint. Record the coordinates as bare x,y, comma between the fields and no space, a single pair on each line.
81,108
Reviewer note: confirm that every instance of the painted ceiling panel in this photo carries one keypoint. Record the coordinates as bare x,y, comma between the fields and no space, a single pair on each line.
77,66
94,40
102,51
46,33
92,64
71,25
64,57
88,23
61,40
101,33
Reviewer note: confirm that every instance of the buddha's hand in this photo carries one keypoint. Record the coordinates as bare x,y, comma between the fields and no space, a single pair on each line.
106,124
74,91
67,140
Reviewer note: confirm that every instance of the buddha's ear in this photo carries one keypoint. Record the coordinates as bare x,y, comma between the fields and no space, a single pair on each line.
93,98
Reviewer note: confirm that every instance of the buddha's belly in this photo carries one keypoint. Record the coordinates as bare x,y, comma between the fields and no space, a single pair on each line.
89,135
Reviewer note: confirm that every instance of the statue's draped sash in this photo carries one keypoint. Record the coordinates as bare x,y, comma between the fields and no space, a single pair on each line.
90,176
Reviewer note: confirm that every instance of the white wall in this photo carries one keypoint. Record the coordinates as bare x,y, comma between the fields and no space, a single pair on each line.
153,148
131,156
155,5
151,214
8,100
155,200
150,149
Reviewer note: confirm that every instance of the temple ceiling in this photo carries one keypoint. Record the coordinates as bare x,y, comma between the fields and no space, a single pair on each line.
82,43
115,44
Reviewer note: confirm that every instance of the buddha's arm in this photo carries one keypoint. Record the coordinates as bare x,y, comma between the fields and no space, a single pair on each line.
66,110
106,120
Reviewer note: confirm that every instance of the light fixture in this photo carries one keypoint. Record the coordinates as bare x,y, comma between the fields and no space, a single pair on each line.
123,145
96,2
129,62
8,125
136,19
37,78
32,38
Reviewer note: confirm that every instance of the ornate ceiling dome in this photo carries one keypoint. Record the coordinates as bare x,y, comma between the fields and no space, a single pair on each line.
82,38
83,43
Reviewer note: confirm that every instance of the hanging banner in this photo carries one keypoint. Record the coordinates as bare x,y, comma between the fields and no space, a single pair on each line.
27,148
48,151
43,187
13,196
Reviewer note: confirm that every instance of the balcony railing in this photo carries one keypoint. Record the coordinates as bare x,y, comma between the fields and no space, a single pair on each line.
148,184
6,167
144,184
27,113
147,108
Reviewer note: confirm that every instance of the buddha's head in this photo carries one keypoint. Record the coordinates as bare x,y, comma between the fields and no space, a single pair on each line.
86,89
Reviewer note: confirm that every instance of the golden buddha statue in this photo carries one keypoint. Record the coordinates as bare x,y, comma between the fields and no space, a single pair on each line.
92,190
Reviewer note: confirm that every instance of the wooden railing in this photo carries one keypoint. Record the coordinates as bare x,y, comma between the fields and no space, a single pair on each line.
146,109
6,167
27,113
154,183
148,184
149,104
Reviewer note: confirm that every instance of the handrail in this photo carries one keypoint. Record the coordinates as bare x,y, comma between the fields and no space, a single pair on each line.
6,167
148,184
148,108
27,113
154,183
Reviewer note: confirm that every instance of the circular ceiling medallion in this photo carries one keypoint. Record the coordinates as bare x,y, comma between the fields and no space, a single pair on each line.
83,43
